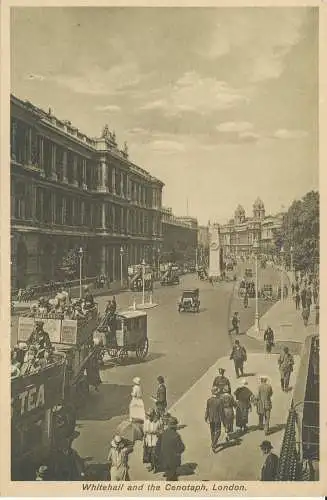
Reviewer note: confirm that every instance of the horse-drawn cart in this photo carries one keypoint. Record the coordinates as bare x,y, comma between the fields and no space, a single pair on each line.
123,333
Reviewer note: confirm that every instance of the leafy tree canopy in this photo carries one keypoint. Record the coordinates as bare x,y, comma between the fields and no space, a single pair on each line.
300,230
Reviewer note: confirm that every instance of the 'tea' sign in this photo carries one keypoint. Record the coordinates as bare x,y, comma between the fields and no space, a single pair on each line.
31,398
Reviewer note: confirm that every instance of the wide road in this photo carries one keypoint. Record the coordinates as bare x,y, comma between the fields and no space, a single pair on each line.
182,347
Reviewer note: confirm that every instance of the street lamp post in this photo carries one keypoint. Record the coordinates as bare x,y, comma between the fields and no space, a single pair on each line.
80,255
158,251
196,258
256,318
121,252
291,250
143,281
282,274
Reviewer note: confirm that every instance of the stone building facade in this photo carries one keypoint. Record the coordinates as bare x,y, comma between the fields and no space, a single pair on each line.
180,235
238,235
71,191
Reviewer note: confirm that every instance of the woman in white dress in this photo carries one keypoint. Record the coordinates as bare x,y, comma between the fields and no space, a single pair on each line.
136,406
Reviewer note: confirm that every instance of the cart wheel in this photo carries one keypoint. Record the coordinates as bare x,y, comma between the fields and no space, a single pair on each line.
122,355
142,349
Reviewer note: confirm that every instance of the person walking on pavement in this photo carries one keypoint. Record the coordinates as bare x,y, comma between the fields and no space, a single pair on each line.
213,416
306,315
228,404
239,356
309,298
235,324
118,459
161,396
246,300
270,466
221,381
243,397
286,364
303,297
297,300
264,403
268,338
136,406
317,315
171,450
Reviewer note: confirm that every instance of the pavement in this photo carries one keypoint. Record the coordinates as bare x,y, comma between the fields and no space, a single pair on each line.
241,459
286,322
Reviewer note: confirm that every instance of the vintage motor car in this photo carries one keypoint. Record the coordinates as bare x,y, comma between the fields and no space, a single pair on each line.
169,278
189,301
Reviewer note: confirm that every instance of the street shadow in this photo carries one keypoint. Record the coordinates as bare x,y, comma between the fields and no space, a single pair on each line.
101,407
275,428
250,374
96,472
111,363
187,469
229,444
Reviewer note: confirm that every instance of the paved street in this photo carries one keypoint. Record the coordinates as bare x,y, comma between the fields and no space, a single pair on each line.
182,348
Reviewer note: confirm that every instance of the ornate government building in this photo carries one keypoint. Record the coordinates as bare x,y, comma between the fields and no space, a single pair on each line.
237,237
70,191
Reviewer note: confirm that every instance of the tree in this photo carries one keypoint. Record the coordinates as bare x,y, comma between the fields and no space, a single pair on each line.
300,230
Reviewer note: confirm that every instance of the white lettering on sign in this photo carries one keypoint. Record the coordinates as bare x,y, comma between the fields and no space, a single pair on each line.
32,398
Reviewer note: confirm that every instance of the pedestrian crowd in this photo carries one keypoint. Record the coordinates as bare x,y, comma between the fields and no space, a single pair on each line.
158,431
305,292
63,307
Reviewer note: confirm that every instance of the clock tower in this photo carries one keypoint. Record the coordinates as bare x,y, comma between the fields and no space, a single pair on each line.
215,251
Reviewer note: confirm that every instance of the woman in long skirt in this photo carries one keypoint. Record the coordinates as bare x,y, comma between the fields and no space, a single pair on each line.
243,397
136,406
228,404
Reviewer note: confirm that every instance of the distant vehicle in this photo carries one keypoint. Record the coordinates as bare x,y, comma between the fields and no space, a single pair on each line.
229,266
170,279
189,301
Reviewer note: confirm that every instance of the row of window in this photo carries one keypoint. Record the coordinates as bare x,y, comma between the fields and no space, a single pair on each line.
54,208
27,147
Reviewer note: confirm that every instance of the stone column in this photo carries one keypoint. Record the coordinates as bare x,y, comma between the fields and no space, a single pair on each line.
103,259
33,202
63,211
84,173
14,139
128,229
53,208
64,167
113,179
75,181
53,162
29,146
121,184
113,263
103,216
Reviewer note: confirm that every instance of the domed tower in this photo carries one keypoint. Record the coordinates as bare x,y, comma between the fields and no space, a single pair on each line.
239,215
258,209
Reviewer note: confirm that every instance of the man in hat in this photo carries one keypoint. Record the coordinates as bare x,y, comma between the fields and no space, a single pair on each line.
239,356
221,381
213,417
161,397
235,324
286,364
270,467
171,449
88,298
268,338
40,339
264,403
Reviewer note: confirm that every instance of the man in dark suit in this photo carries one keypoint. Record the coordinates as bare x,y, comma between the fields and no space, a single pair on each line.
221,381
270,467
171,449
213,417
161,397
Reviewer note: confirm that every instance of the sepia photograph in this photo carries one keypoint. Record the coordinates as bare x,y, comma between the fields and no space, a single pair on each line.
164,247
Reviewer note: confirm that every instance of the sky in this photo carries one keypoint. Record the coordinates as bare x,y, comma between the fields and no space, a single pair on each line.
221,104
